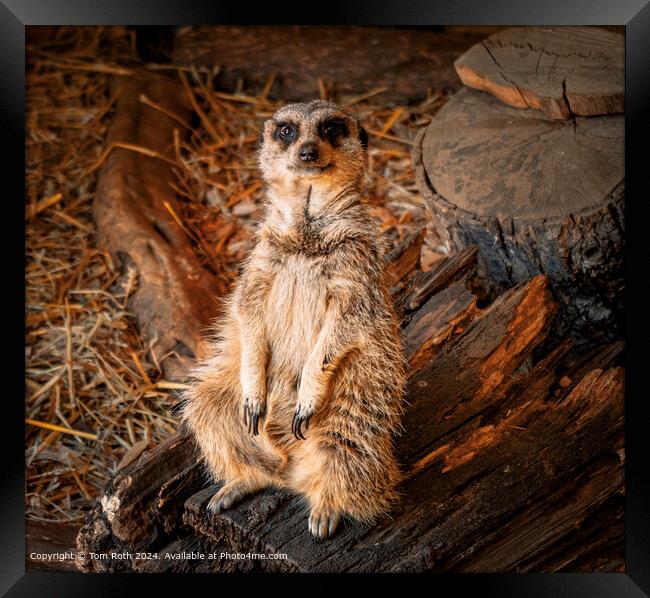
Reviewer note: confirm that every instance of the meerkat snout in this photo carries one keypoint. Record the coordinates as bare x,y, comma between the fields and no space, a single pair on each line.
315,141
309,152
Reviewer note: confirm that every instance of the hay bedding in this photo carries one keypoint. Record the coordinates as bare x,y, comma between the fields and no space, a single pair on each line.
95,395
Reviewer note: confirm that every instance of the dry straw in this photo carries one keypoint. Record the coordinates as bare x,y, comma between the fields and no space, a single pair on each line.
95,396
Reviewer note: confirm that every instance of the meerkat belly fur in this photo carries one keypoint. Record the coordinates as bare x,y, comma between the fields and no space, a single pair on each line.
304,384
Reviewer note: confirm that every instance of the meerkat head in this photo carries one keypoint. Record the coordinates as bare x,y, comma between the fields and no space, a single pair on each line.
317,143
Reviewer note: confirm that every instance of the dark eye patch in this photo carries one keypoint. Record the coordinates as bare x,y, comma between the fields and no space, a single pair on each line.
286,133
332,130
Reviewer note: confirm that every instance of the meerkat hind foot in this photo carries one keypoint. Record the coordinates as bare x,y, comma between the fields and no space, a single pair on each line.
323,524
229,494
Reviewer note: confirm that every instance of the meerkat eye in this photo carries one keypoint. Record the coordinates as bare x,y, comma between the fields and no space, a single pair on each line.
333,129
286,132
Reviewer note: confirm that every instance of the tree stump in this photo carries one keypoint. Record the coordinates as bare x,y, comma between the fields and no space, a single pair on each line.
538,196
561,71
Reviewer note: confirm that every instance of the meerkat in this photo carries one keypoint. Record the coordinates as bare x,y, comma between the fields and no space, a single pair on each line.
303,386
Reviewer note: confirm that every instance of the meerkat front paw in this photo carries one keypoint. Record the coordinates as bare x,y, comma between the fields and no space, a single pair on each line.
254,412
308,392
323,524
231,493
301,416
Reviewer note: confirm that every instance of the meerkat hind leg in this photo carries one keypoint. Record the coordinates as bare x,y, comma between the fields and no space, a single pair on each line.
322,524
233,492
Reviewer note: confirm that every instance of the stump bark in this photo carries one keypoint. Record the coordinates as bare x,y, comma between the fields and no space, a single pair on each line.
513,462
537,196
562,71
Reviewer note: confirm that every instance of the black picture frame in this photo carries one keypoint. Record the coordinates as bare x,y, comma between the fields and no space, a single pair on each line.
633,14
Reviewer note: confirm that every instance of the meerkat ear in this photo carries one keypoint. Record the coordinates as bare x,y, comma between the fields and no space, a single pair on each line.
363,137
264,130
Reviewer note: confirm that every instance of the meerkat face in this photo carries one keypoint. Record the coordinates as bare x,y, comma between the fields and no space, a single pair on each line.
316,142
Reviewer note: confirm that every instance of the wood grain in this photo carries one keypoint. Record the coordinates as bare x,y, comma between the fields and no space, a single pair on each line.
560,71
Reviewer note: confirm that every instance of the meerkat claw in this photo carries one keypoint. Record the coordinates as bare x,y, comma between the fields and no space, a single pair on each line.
217,507
228,495
218,504
296,427
323,525
252,417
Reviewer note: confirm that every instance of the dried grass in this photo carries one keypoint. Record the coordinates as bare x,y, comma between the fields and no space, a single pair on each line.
91,391
95,397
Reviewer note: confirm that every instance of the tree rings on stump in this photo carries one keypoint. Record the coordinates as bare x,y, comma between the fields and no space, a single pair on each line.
537,195
561,71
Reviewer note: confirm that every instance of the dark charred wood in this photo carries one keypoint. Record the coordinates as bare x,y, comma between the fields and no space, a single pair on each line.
137,510
421,286
507,462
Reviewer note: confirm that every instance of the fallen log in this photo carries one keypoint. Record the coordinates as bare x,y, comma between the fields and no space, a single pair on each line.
537,196
134,210
301,62
482,445
498,444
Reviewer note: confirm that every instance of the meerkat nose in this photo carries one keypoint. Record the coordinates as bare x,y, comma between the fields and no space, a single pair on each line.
308,152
